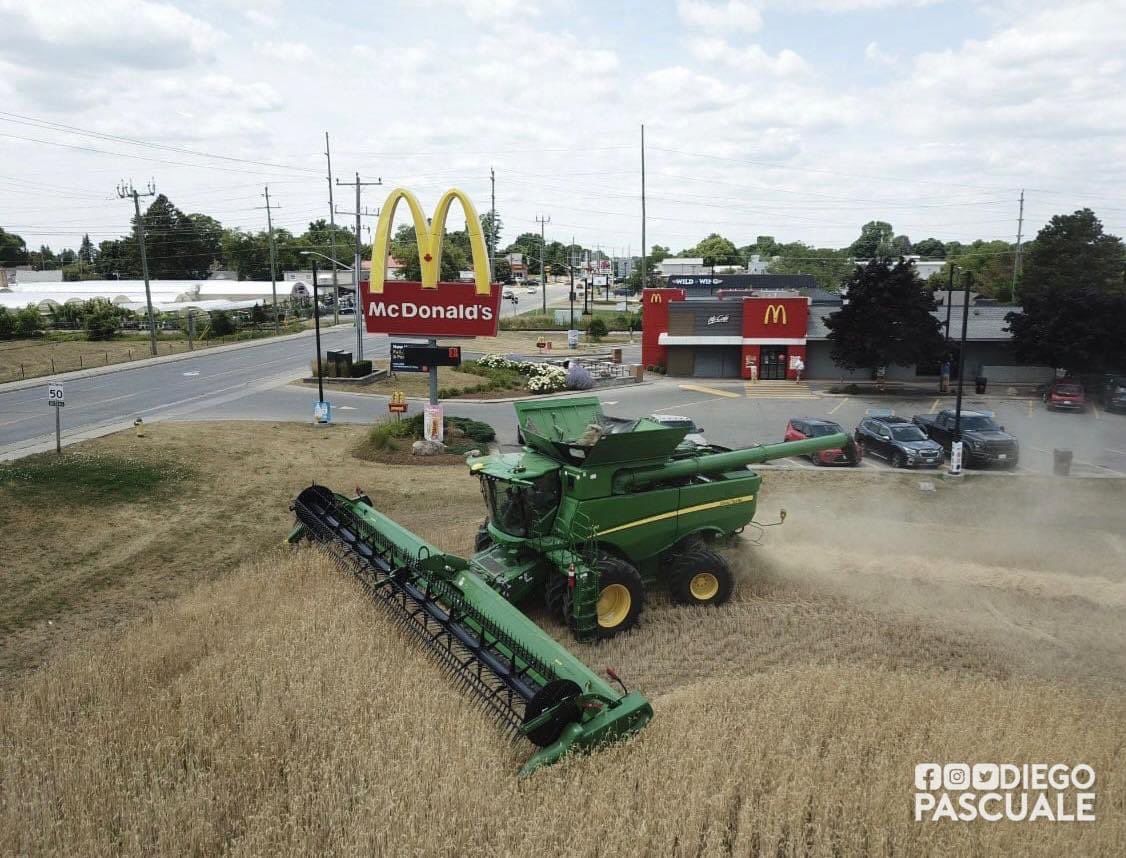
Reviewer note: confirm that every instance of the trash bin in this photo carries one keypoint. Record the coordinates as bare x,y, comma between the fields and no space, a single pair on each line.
979,384
342,360
616,355
1061,459
572,339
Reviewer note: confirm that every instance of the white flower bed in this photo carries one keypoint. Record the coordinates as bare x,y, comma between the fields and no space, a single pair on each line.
542,377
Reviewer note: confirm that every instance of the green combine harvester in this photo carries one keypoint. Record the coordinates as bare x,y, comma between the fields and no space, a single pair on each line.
590,513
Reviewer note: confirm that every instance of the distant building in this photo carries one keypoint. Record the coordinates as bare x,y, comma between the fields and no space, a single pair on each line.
26,274
675,265
923,267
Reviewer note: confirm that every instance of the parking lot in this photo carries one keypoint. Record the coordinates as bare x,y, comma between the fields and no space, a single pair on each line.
737,414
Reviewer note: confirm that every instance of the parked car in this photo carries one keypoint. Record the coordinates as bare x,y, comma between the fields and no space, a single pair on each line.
531,290
983,441
812,427
347,311
695,433
508,294
622,291
532,281
898,440
1067,394
1114,393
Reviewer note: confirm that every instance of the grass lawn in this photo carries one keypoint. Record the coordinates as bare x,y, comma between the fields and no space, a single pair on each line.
55,353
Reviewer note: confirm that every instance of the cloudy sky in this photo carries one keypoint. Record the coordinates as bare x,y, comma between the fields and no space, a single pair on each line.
800,119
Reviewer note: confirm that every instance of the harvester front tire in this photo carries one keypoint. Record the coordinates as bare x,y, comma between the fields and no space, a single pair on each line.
621,597
699,576
555,595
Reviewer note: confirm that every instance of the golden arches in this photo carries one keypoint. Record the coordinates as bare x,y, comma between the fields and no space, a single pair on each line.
429,239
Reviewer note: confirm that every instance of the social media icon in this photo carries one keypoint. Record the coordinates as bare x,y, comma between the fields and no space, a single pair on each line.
955,776
986,776
928,776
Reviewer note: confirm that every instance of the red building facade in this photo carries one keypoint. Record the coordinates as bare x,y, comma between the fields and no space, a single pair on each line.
728,337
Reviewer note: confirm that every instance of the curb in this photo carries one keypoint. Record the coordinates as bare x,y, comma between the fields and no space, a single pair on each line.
460,401
93,372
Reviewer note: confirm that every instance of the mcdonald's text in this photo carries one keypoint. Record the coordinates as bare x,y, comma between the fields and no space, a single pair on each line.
450,310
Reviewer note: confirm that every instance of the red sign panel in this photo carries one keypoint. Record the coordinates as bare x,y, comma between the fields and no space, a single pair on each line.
451,310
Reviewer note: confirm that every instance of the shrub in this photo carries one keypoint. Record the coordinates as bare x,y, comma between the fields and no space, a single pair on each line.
101,324
579,377
221,324
360,368
597,329
548,379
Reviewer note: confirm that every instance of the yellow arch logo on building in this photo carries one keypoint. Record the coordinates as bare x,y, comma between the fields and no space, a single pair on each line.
773,313
429,238
654,297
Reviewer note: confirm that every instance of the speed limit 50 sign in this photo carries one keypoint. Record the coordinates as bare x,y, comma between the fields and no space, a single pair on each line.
55,396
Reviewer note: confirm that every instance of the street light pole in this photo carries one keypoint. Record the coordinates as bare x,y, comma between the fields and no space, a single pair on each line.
961,374
317,331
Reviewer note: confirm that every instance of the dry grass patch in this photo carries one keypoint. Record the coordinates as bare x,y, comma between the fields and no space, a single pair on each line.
278,712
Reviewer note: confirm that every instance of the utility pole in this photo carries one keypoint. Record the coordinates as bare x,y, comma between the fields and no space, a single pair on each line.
359,304
273,259
571,269
1017,261
124,191
332,239
492,224
541,220
644,282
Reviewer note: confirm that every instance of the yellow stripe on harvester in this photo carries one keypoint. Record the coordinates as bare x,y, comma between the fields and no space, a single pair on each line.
686,511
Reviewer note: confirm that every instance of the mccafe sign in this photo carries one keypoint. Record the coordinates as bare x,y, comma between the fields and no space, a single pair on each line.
430,307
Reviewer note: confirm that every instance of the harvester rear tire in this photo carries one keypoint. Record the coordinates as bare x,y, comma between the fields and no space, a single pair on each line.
622,597
699,576
483,542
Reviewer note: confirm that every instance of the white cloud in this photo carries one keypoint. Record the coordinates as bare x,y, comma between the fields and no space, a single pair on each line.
849,5
107,33
722,17
875,54
285,51
752,60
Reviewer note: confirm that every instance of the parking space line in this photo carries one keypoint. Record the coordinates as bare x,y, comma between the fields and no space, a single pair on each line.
1119,452
833,410
934,406
1095,410
714,391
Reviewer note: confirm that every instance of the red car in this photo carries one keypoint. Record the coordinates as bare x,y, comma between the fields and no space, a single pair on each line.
1066,393
813,427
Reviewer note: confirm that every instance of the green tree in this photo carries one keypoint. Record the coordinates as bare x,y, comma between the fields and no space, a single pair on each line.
1080,329
990,263
404,248
43,259
221,323
901,246
13,249
765,246
258,315
246,253
86,250
79,271
658,254
828,267
1073,252
179,246
875,241
931,248
887,319
67,257
118,259
492,228
319,237
101,319
716,250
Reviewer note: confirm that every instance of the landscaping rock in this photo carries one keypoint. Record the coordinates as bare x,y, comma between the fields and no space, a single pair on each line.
422,447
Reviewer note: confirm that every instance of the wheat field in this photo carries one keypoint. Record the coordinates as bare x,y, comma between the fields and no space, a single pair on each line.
276,712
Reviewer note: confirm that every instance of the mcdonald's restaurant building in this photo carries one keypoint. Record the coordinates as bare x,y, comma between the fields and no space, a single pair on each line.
724,337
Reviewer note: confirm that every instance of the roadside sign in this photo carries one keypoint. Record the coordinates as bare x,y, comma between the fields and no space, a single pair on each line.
408,357
55,396
398,403
322,412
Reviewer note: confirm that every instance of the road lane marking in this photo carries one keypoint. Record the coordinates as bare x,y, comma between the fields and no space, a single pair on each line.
1095,410
833,410
1119,452
1029,403
934,406
714,391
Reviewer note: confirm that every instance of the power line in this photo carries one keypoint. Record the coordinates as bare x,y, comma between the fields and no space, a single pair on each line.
124,191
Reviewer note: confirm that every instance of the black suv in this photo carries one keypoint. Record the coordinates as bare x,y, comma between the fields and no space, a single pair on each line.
899,441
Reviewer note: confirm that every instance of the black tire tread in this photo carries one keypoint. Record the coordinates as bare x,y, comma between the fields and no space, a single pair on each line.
687,563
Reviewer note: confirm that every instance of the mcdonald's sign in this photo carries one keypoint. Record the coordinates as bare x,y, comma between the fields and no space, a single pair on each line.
430,307
774,313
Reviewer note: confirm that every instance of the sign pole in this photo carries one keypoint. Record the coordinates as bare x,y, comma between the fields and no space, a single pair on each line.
433,376
317,334
57,400
58,432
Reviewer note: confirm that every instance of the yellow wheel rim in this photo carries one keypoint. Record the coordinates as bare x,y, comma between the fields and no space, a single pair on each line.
704,586
613,606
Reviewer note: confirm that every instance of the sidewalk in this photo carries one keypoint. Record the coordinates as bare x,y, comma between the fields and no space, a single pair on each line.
921,390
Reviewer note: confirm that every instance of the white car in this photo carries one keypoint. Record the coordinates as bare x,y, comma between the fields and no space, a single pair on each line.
509,294
531,290
695,433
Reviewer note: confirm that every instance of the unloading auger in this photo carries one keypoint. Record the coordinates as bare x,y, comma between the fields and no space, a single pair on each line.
520,674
